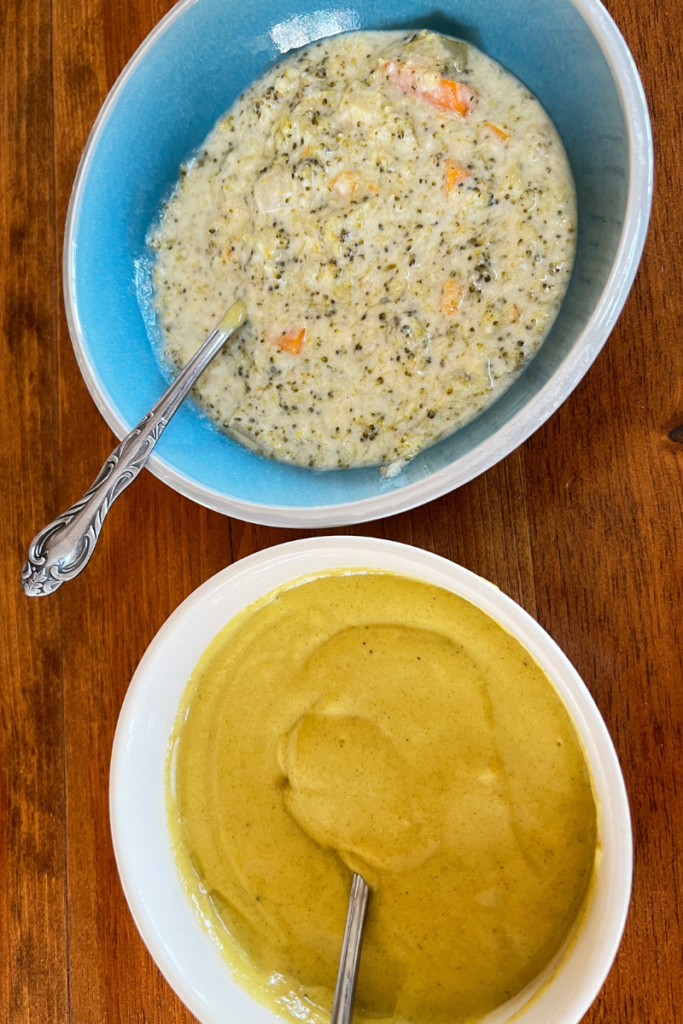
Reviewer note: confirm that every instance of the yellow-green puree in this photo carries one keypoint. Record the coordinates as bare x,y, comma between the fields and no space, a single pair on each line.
372,722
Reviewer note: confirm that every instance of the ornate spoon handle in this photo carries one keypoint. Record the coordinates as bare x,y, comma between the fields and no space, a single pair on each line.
63,548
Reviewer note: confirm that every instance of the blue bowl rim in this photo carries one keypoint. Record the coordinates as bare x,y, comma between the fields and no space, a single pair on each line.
520,426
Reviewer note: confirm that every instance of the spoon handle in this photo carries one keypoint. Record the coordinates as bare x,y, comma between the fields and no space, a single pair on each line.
63,548
342,1007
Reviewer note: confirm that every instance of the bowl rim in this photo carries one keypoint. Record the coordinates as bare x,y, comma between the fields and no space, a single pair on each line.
520,426
134,805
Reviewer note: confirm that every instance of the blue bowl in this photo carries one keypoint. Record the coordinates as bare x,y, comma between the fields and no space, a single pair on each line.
188,72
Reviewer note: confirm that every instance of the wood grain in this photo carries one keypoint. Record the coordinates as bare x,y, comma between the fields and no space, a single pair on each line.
33,912
582,525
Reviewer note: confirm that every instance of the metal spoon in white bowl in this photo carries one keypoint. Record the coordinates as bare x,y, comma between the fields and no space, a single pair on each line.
344,993
63,548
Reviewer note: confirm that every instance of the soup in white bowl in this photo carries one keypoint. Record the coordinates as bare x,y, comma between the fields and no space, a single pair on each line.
191,954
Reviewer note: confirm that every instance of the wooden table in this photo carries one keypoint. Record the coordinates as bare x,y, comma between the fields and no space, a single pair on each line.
583,525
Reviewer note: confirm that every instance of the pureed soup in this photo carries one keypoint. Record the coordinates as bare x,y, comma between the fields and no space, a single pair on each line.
366,721
398,212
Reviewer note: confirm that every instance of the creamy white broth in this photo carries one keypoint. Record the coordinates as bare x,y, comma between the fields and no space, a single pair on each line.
399,215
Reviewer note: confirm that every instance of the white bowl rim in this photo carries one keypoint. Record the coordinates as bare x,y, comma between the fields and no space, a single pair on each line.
246,580
520,426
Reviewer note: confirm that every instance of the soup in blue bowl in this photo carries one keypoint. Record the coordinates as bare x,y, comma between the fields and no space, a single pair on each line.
183,78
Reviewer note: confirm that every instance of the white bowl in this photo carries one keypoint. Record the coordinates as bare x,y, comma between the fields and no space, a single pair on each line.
185,953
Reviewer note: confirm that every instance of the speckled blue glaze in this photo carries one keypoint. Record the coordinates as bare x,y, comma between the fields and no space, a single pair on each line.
205,54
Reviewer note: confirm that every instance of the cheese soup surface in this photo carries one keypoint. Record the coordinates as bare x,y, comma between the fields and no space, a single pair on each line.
371,722
398,213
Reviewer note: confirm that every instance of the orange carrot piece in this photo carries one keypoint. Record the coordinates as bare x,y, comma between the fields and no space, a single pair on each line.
450,96
291,341
344,184
500,133
455,173
445,94
451,296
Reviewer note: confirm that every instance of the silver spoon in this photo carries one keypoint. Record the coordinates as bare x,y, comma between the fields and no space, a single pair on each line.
342,1007
63,548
